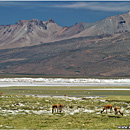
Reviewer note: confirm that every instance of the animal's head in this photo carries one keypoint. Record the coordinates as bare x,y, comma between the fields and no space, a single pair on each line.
121,114
61,105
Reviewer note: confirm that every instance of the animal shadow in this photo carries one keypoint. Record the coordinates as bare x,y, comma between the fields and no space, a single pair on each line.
114,116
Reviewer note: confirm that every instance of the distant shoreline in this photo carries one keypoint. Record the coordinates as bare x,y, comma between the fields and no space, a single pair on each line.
4,75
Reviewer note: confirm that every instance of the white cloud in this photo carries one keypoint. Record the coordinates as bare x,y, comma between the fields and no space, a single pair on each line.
102,6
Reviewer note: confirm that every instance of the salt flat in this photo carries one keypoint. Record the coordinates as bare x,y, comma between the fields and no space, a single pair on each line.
8,82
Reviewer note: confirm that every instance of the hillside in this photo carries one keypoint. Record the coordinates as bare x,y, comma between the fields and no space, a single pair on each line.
105,55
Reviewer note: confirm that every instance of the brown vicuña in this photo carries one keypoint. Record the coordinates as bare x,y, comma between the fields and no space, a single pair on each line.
109,106
57,108
1,94
117,109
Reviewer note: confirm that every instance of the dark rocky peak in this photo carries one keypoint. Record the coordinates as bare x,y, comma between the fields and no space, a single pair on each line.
21,22
80,25
31,23
49,21
77,26
35,22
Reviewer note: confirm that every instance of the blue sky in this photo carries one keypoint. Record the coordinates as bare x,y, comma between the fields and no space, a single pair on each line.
63,13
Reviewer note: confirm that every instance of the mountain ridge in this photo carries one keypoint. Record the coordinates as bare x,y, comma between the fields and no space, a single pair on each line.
34,32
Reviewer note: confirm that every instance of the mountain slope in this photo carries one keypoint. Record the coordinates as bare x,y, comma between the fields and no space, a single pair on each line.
89,56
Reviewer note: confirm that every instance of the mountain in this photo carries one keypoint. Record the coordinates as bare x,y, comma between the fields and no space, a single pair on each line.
111,25
27,33
33,32
100,49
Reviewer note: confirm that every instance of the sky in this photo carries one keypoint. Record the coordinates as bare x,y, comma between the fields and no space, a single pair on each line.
64,13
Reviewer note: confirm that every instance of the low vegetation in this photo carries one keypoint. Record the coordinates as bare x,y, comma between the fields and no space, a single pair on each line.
34,112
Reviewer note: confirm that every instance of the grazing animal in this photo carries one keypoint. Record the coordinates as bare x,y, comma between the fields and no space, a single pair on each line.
57,108
117,109
107,107
61,107
1,94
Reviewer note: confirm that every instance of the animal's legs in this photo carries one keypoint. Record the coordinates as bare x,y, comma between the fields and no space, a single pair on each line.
57,109
110,109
